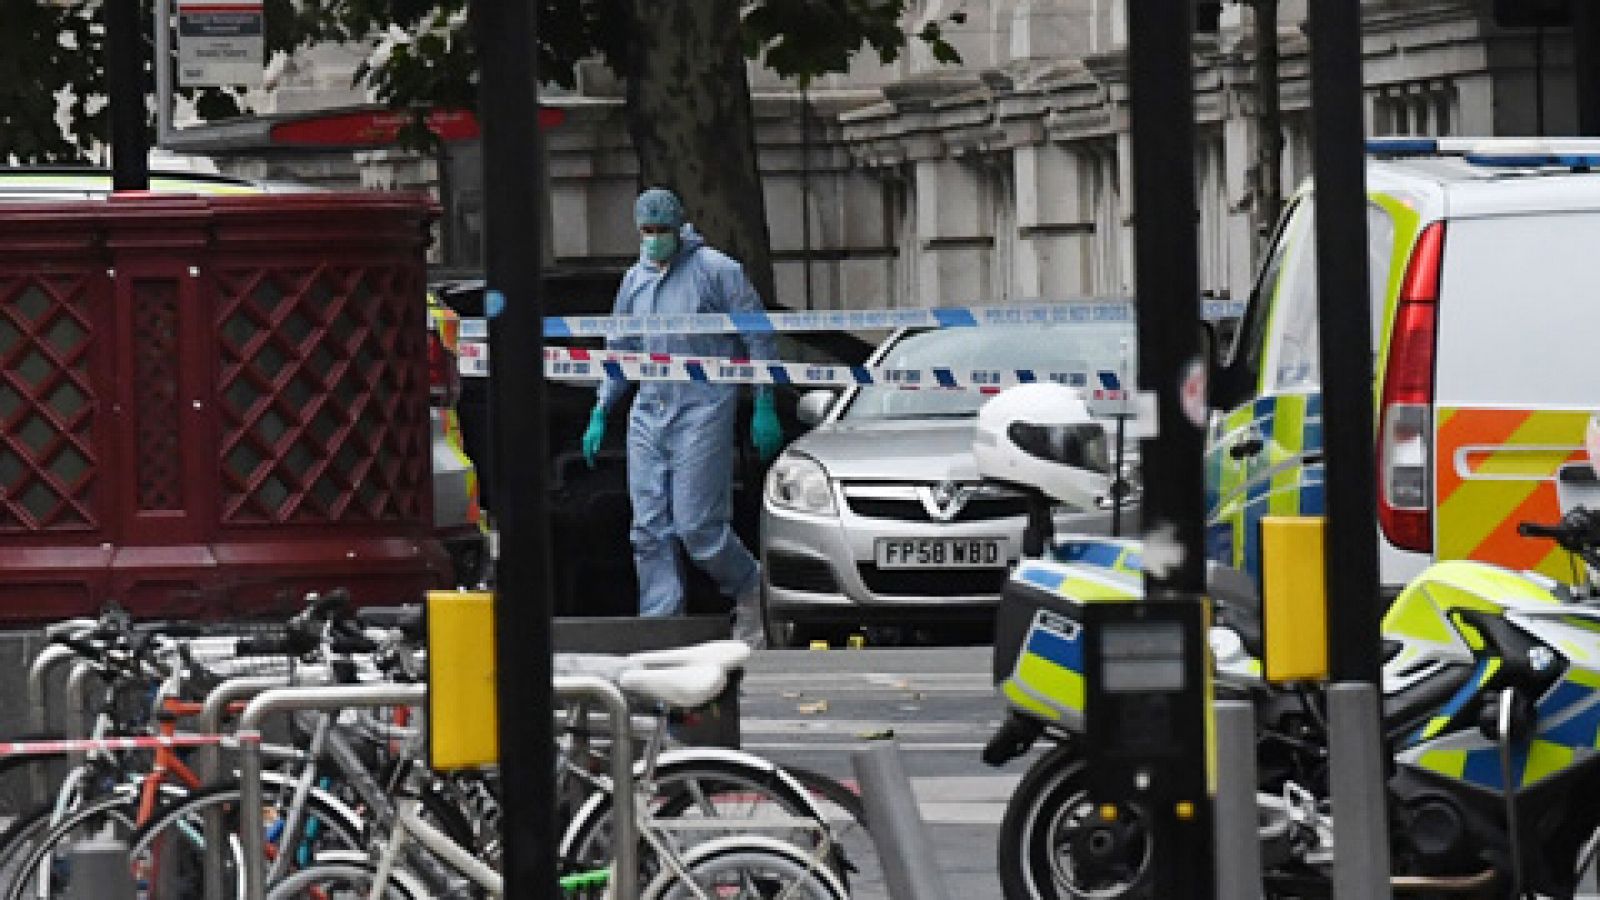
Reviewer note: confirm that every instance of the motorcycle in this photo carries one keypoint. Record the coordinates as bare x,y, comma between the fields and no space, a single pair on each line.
1491,683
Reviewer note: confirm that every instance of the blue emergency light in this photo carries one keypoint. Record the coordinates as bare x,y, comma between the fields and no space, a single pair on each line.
1506,153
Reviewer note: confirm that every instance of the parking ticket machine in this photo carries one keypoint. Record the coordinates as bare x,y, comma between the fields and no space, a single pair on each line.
1147,706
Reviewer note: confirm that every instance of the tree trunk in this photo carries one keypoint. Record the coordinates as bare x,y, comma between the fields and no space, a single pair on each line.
693,127
1269,124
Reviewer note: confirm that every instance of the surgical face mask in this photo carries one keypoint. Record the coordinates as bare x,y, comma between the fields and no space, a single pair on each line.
658,247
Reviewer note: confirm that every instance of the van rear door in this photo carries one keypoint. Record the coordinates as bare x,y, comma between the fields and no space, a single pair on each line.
1517,379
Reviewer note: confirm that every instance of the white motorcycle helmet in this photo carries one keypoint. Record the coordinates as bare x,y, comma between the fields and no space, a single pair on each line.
1042,436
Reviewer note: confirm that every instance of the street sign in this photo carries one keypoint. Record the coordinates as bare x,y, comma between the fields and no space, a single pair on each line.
220,44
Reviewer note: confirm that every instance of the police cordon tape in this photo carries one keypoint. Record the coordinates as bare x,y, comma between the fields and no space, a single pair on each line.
1108,310
77,745
1100,387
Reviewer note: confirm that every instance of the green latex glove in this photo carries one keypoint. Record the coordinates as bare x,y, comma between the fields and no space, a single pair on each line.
765,432
594,434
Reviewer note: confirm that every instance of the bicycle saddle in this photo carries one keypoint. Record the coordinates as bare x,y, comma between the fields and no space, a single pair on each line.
600,665
727,654
679,686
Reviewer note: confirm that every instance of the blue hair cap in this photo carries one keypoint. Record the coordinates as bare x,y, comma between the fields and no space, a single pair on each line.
658,206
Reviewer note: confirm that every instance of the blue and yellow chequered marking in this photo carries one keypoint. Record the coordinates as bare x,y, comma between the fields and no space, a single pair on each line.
1048,678
1050,669
1084,584
1279,480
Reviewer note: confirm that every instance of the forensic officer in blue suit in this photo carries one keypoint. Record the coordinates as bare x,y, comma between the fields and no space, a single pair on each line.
681,434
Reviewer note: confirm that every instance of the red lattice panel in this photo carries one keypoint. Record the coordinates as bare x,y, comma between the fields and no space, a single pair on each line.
47,456
324,416
155,362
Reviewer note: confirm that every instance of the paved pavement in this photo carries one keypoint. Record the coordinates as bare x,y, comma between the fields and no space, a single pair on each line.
812,708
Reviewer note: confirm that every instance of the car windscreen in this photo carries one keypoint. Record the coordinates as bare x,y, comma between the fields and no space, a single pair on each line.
1082,350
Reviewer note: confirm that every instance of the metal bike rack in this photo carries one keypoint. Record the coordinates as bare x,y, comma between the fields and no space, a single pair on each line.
624,824
50,658
252,840
38,674
210,762
77,716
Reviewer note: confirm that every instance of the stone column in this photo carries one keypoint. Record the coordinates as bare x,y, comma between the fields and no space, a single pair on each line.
1055,226
954,230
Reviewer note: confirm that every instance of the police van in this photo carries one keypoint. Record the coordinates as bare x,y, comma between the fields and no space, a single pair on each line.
1486,315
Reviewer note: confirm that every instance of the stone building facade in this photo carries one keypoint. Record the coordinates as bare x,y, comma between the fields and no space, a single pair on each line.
1005,178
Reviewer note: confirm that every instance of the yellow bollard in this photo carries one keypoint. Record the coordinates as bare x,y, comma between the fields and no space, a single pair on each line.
1294,607
463,729
819,645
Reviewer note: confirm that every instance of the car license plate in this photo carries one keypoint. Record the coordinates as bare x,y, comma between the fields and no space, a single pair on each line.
940,553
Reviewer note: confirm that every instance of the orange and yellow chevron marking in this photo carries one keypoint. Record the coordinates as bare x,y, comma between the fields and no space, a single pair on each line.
1511,458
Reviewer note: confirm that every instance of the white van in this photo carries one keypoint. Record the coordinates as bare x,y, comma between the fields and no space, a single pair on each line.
1486,314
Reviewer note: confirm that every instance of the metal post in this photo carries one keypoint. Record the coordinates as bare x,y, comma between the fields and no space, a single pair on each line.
1166,252
514,235
130,150
910,865
252,840
1360,861
1238,841
1586,66
163,67
805,189
1339,169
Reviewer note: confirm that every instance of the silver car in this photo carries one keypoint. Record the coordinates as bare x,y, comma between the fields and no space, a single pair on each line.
877,515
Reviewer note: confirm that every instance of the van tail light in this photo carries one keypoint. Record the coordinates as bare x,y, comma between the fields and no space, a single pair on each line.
444,379
1405,419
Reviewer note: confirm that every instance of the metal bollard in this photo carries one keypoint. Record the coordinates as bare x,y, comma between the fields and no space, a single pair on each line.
101,870
1360,817
896,825
1238,842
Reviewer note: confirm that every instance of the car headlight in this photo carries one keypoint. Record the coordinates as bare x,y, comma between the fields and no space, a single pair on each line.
799,484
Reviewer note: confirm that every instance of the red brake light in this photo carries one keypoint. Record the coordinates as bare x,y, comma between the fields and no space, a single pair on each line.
1405,436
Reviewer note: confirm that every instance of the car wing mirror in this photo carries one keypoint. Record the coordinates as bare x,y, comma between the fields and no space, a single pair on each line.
814,406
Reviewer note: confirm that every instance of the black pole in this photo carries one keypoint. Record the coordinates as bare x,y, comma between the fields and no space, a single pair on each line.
1586,65
1341,222
130,144
1357,756
1166,253
805,188
1538,81
513,167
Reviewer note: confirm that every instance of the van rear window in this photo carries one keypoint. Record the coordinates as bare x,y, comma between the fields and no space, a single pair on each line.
1519,311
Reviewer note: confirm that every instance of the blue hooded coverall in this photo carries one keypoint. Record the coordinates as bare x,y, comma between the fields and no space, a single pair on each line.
681,434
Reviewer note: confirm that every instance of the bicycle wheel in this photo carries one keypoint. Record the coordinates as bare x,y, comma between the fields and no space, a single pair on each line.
343,876
168,852
749,866
44,868
751,794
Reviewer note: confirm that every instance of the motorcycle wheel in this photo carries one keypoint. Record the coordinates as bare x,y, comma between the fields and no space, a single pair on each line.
1053,847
